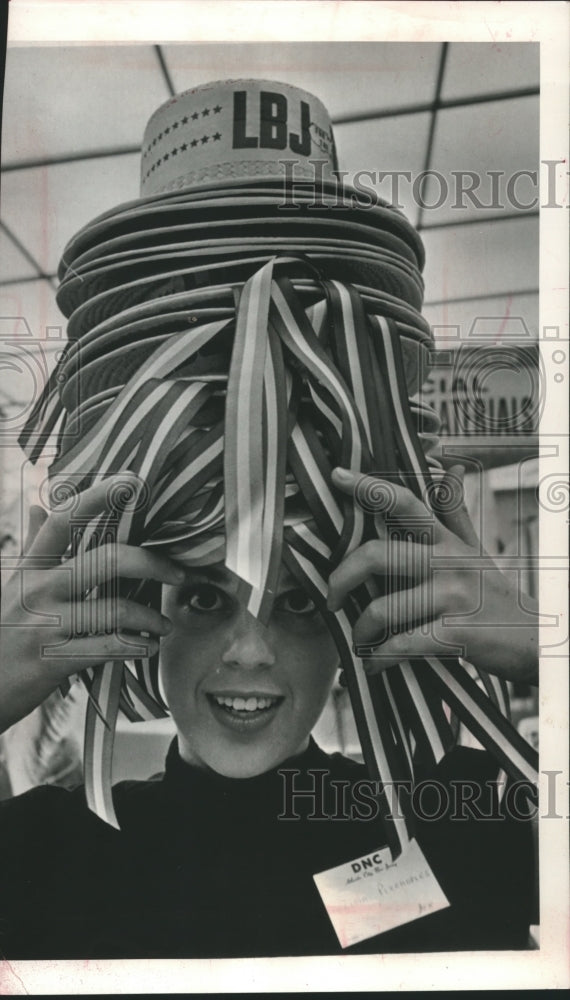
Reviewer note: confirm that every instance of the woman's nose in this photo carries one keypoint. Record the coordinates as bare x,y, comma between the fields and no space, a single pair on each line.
248,645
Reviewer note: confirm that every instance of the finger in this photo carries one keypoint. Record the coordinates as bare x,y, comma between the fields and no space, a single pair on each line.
120,561
457,519
89,651
54,536
390,558
413,644
115,615
379,496
398,611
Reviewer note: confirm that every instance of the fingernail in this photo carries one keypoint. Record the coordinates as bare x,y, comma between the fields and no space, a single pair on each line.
365,649
343,475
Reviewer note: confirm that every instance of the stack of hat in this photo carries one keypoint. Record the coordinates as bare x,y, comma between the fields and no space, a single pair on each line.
236,332
211,214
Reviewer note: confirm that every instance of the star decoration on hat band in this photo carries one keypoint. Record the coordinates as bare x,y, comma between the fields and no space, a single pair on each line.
215,137
183,121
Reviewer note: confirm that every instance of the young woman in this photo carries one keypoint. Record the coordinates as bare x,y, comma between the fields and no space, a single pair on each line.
217,856
225,362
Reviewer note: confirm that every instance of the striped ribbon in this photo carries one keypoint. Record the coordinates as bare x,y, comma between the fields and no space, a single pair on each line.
238,467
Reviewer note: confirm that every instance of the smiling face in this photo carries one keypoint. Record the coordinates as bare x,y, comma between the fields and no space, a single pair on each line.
244,696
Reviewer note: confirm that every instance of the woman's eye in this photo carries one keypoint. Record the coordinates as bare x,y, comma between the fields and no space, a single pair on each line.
296,602
203,599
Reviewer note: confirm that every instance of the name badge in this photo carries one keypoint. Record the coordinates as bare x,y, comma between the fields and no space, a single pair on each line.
374,894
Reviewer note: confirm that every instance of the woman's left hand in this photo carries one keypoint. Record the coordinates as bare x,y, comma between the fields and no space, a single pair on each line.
443,595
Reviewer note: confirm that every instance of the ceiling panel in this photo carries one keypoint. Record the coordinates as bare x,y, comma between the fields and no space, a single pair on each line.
60,100
485,67
349,77
47,116
13,263
489,259
498,136
46,206
513,317
385,146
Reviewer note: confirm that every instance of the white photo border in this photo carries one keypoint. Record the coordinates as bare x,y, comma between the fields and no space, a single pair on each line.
57,22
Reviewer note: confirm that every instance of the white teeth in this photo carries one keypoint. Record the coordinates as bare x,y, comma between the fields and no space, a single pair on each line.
251,704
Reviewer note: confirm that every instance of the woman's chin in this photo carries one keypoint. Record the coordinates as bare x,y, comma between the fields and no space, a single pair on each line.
238,761
247,765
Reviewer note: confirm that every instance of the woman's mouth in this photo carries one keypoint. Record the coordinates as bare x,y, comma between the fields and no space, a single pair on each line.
246,712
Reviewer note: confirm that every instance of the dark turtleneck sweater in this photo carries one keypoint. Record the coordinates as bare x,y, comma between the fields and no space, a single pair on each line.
203,867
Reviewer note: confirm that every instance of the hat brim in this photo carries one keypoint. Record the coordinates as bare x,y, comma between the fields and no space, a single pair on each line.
104,376
257,203
231,187
207,304
161,238
91,302
383,270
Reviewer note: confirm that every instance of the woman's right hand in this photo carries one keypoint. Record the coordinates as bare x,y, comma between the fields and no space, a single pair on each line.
53,627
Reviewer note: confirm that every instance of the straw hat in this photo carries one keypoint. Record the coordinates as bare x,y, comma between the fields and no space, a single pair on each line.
234,130
232,173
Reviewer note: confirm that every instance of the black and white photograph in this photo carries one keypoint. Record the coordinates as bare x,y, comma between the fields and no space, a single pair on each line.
283,498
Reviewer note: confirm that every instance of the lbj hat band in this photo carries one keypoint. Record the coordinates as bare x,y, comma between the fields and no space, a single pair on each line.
333,392
242,128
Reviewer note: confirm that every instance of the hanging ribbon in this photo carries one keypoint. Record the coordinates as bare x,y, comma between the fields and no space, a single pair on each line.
230,458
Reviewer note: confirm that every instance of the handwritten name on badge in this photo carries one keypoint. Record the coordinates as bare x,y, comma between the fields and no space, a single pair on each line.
374,894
